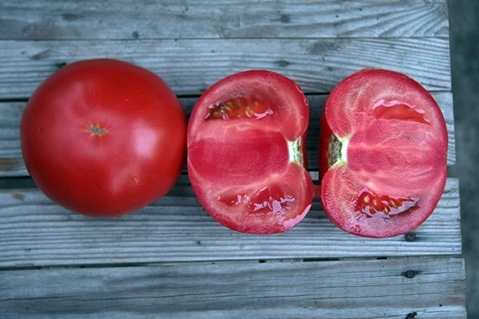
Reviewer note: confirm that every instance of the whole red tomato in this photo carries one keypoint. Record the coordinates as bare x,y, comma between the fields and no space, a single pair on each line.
246,152
383,148
103,137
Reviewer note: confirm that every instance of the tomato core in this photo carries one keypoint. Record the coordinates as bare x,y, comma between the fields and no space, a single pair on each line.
337,150
296,153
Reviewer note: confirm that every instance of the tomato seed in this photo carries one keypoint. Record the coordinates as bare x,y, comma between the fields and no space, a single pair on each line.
371,204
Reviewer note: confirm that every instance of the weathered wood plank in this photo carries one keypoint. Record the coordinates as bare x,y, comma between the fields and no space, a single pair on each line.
190,66
36,232
11,162
220,19
334,289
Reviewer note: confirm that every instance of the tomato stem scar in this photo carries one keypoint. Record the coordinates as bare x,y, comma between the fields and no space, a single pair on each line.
96,130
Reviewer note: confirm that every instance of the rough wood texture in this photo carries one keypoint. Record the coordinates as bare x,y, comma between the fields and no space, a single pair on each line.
190,66
11,162
220,19
337,289
36,232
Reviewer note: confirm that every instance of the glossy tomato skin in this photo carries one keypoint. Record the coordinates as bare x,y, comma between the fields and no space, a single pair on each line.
246,159
382,154
103,137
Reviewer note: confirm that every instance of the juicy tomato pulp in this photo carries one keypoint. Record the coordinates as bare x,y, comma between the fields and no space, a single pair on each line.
383,148
104,137
246,152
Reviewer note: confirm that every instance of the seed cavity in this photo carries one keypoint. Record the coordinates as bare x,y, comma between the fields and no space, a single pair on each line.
239,107
396,110
374,205
262,202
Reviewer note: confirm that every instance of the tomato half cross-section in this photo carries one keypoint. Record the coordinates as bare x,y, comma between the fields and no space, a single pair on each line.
383,149
104,137
246,152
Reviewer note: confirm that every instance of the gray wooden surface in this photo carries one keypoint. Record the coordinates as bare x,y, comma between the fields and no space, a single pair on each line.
316,64
333,289
31,19
170,259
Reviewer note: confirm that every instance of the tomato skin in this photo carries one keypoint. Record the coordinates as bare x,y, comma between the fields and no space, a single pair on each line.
246,152
103,137
382,154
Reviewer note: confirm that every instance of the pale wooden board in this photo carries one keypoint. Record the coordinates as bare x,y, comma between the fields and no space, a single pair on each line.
334,289
36,232
190,66
221,19
11,162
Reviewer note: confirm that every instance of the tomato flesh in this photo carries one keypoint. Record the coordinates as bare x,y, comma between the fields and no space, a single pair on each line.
383,149
244,158
246,152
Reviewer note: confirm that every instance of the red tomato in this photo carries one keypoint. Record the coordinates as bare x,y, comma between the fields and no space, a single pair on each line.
104,137
383,149
246,152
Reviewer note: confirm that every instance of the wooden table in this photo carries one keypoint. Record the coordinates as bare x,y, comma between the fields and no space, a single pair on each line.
170,259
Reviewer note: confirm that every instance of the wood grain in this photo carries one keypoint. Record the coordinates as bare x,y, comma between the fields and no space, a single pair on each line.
333,289
190,66
36,232
172,19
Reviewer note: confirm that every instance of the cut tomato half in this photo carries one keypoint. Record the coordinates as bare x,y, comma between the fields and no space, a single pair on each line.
382,154
246,152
